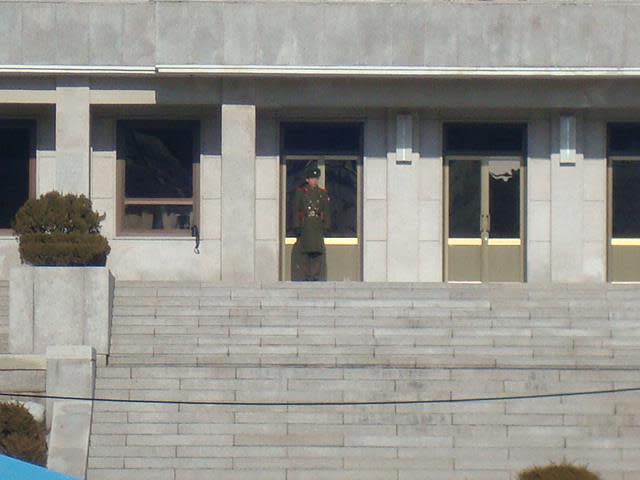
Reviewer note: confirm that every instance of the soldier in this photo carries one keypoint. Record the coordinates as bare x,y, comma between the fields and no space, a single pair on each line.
311,219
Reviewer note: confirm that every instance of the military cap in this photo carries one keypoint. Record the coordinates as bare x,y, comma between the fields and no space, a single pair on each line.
312,172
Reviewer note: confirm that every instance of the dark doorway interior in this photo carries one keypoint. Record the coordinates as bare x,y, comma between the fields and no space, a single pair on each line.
15,160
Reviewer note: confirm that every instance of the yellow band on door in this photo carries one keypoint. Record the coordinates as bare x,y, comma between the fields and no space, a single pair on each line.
329,241
505,242
464,242
476,242
625,242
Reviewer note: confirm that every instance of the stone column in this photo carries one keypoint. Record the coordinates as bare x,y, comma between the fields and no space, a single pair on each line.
594,247
402,214
71,372
72,136
374,207
267,200
430,197
578,206
566,209
538,207
238,183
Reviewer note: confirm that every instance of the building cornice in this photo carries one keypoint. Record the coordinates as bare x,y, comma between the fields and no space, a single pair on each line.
89,70
408,72
323,71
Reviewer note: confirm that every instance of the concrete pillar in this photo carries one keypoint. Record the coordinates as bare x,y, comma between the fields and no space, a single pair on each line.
402,213
430,197
46,154
267,199
594,256
375,201
72,136
538,207
578,206
566,209
71,372
210,196
238,184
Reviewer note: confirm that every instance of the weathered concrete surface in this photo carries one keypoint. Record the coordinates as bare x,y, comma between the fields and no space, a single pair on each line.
359,342
70,372
69,437
422,33
238,211
59,306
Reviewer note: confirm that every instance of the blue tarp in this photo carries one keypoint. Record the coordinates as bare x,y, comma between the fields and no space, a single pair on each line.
12,469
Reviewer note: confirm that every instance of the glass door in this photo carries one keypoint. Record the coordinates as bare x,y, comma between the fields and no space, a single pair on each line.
624,221
483,222
341,177
623,152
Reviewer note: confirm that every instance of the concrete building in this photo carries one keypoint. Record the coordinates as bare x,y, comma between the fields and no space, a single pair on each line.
543,96
460,141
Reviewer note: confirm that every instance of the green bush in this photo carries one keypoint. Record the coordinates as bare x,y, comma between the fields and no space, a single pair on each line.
21,436
60,230
563,471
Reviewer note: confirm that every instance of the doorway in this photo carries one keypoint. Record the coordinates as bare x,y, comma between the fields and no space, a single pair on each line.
336,149
623,152
484,202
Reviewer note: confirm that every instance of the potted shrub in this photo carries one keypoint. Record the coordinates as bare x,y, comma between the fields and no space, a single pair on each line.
61,295
60,230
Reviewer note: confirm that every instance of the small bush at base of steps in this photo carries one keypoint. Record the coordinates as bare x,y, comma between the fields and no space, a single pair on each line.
558,472
21,436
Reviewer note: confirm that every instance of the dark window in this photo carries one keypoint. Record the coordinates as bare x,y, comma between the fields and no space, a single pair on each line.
626,198
504,199
321,138
475,138
342,186
464,199
160,169
624,139
15,154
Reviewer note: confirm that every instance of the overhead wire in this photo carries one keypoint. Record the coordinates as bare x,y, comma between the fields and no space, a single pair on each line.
613,391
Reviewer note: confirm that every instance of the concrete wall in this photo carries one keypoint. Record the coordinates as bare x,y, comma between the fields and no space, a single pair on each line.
578,206
159,258
402,202
59,306
267,198
426,33
402,209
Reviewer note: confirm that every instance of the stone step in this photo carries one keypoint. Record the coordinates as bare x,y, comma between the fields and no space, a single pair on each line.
493,439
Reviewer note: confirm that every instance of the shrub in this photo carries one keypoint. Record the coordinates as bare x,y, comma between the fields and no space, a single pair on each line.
563,471
21,436
60,230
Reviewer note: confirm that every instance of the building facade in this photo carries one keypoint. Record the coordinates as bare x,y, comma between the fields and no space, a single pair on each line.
459,141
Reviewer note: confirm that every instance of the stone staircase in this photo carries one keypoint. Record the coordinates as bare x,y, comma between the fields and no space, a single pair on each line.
338,324
338,342
4,316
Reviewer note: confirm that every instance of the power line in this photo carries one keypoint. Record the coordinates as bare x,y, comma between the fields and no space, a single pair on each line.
328,404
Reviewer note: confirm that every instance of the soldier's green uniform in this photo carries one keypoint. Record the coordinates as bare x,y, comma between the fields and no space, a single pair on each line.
311,219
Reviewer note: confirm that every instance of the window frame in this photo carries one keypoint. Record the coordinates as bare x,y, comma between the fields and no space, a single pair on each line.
30,126
194,125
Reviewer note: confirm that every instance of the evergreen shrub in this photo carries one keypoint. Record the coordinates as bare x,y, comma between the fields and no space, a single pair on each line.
21,436
60,230
563,471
